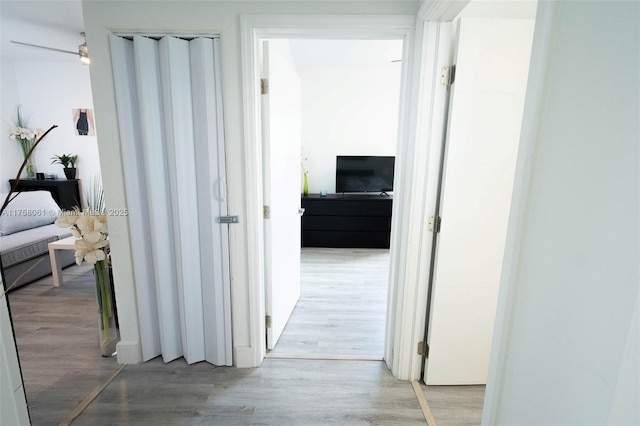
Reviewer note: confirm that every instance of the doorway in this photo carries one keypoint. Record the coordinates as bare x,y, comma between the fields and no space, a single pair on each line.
324,99
399,331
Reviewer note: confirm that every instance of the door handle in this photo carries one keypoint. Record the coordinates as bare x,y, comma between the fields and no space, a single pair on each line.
301,211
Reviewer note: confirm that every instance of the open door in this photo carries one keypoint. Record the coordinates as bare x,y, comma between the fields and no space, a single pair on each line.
487,99
281,111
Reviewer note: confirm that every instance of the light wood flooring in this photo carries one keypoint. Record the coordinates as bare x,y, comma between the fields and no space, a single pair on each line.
455,405
57,337
57,340
342,308
281,392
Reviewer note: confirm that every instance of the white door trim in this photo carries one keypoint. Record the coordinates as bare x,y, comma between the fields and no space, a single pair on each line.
257,27
410,261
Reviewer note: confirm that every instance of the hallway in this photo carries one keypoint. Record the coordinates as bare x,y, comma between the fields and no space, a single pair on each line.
341,313
55,329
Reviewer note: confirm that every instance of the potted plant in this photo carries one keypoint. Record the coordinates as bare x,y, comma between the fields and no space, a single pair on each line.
68,161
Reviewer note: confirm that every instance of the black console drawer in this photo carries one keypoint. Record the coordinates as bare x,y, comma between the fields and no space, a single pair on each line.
66,192
345,239
346,221
332,207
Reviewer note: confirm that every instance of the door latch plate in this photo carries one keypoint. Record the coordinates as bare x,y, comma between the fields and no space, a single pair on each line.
227,219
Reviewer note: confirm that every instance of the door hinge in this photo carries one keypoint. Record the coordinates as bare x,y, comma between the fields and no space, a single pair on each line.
267,321
448,75
266,212
434,223
264,86
423,349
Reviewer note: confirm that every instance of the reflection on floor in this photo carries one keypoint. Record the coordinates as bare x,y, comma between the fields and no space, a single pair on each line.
57,335
342,306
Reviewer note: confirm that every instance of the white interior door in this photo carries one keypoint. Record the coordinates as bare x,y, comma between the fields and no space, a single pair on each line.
169,98
492,63
281,108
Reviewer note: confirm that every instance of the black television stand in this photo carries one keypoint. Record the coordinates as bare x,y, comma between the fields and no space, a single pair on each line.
347,220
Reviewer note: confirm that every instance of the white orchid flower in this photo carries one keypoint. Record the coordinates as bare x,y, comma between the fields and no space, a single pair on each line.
91,232
88,233
26,134
14,133
66,220
98,221
90,252
104,227
94,256
91,227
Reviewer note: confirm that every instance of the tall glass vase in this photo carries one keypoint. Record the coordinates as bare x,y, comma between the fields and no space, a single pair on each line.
305,186
30,168
107,322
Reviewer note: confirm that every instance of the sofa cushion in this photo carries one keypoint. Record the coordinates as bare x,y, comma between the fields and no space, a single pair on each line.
29,209
21,246
27,251
9,242
25,254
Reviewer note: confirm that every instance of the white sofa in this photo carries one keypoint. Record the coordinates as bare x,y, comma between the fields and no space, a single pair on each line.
26,229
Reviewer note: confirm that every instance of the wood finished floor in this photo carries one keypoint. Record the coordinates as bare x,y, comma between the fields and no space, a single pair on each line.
455,405
57,337
342,306
281,392
57,340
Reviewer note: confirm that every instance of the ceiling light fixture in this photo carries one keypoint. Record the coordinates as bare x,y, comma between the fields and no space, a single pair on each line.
84,54
83,51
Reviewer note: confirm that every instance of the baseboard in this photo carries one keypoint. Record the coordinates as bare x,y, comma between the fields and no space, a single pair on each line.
245,357
128,352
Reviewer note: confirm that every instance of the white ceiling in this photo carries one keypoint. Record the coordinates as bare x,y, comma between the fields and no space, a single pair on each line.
63,15
52,23
58,24
345,53
512,9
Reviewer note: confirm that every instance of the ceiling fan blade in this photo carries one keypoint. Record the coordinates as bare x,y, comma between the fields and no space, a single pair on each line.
45,47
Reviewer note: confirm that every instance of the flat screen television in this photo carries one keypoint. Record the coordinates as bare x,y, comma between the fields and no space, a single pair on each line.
359,173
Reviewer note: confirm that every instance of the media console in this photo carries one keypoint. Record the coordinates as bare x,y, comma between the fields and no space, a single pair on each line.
346,220
66,192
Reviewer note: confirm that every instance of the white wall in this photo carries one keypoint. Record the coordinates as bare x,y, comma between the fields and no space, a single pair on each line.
566,350
10,152
47,86
102,18
347,109
48,104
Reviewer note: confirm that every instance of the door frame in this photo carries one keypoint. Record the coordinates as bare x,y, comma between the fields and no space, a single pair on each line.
401,322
